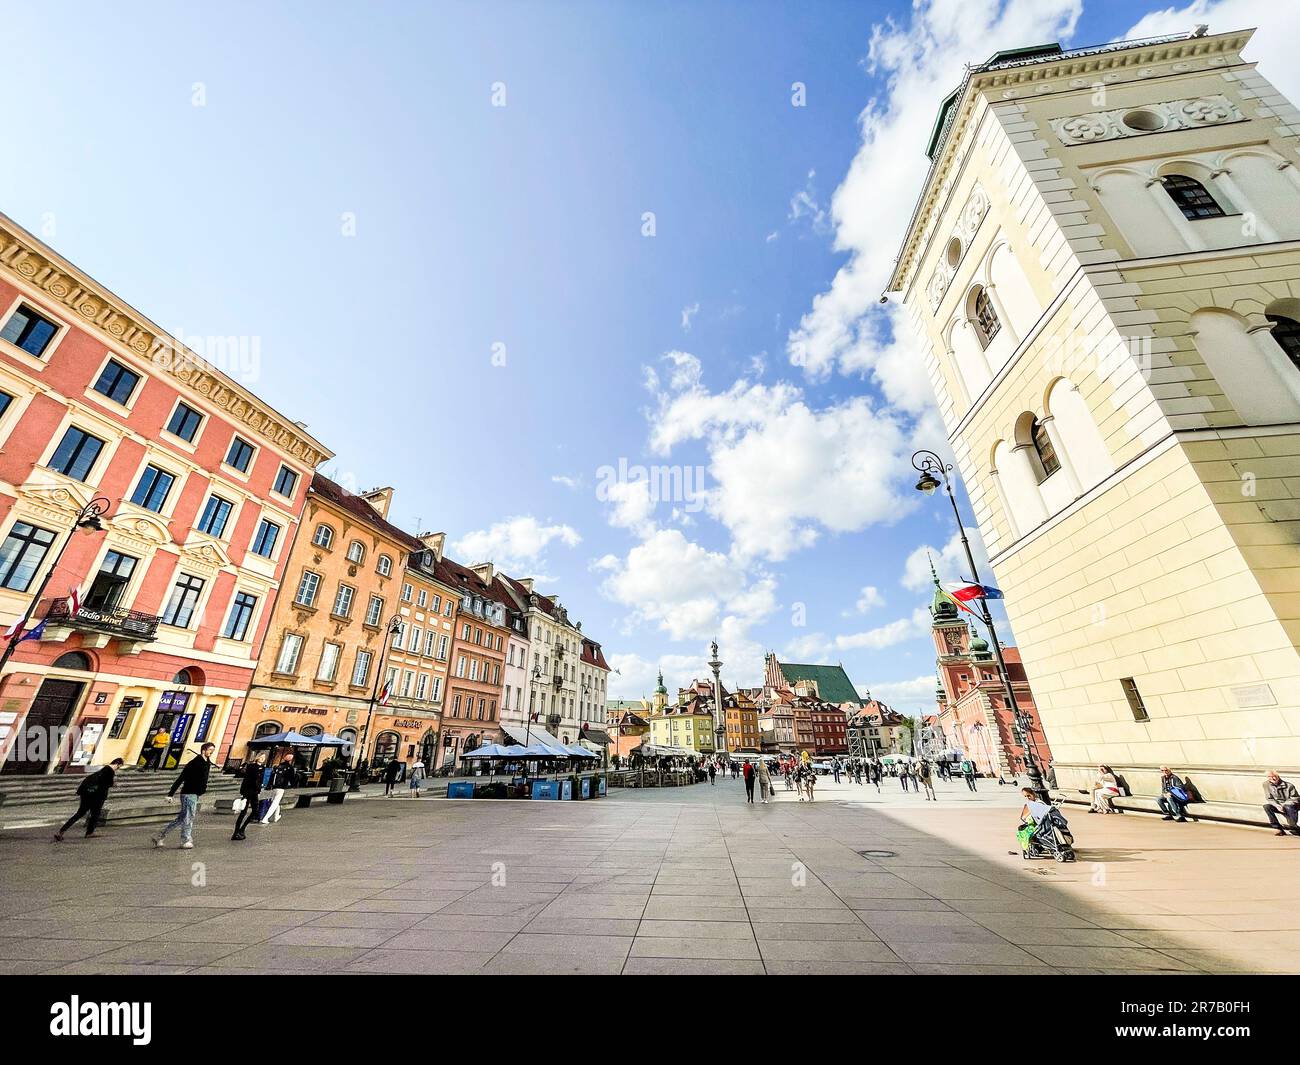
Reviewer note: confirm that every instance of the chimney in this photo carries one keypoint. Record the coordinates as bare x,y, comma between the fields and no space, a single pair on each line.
435,543
379,498
484,571
527,583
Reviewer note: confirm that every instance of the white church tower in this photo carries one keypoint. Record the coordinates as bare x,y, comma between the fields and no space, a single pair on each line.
1104,267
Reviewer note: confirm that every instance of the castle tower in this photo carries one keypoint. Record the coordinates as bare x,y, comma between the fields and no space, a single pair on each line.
1104,269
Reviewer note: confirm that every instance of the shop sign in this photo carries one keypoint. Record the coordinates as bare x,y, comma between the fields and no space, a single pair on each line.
407,724
205,722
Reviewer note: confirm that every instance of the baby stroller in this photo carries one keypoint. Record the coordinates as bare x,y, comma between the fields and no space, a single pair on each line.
1046,835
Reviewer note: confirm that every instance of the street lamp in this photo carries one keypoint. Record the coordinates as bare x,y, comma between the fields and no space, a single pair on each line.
528,725
933,471
393,627
88,519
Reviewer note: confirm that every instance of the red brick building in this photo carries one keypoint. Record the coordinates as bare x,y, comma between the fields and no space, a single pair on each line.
201,483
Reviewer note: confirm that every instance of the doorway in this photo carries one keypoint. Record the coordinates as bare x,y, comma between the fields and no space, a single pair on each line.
164,743
42,727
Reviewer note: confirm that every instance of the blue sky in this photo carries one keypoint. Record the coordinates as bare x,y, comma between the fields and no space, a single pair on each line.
462,299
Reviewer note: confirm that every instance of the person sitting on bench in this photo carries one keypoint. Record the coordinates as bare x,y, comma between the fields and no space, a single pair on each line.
1281,798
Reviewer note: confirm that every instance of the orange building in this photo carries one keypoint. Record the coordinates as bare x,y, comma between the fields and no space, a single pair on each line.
740,714
321,665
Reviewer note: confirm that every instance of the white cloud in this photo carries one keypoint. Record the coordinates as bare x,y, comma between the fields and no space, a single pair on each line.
687,314
949,563
782,472
633,505
686,590
905,695
805,204
869,597
818,647
516,543
921,62
566,480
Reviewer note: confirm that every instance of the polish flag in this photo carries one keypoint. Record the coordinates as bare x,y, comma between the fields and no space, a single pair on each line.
964,592
385,692
74,601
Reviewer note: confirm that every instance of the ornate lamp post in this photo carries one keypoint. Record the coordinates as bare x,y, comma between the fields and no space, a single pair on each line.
934,471
88,519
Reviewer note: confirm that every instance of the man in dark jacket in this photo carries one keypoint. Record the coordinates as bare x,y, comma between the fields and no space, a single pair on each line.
1281,798
91,796
192,782
749,782
1174,807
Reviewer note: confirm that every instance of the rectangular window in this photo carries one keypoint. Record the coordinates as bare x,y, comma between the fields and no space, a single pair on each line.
5,400
460,666
361,671
435,606
422,598
1135,704
429,638
216,513
29,331
329,663
290,652
240,454
23,551
442,647
241,614
117,382
184,598
307,588
436,694
76,454
185,422
285,482
268,535
408,678
414,638
455,705
343,601
110,582
375,610
406,593
422,686
151,493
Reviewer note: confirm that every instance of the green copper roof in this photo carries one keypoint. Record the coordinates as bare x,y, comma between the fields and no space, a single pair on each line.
833,683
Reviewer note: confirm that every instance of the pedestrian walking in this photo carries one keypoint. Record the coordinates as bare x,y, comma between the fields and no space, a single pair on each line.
835,769
391,772
923,774
416,778
749,782
968,771
810,782
192,782
283,777
713,771
250,794
764,781
91,794
902,776
1282,798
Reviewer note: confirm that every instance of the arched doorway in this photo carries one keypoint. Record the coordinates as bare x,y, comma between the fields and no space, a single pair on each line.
386,747
428,750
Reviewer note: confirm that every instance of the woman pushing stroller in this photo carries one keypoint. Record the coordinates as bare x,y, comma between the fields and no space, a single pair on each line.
1043,831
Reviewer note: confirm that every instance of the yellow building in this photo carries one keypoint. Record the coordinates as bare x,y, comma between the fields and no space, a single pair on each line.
1104,266
687,723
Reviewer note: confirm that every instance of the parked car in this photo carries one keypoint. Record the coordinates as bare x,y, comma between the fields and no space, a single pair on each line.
822,767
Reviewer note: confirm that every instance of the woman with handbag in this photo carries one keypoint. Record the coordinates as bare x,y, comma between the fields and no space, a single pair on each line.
1173,796
250,791
1104,789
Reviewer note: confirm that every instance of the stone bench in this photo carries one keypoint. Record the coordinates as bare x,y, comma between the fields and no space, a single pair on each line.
1231,813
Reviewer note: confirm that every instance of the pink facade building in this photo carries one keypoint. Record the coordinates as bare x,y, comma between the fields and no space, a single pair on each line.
143,640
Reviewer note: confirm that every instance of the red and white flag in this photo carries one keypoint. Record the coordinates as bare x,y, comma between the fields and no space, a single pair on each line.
385,692
74,601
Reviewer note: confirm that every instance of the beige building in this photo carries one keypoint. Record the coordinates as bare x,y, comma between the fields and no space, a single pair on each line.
1104,266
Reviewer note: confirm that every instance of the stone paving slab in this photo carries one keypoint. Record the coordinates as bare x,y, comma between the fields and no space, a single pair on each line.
655,881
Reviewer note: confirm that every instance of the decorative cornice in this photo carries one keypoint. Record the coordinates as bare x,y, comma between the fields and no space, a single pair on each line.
40,267
1190,113
1067,72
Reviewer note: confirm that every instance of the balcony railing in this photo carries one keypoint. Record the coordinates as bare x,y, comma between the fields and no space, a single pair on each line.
125,624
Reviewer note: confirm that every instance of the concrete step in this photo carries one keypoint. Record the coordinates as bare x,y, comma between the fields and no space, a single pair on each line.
1229,813
129,788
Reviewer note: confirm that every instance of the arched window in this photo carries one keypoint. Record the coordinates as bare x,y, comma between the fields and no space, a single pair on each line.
267,728
386,745
312,730
384,566
1286,331
74,660
349,738
324,536
183,677
1191,197
356,552
1047,463
987,325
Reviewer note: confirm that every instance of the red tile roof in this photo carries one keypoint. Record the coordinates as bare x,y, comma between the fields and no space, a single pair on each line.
361,510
